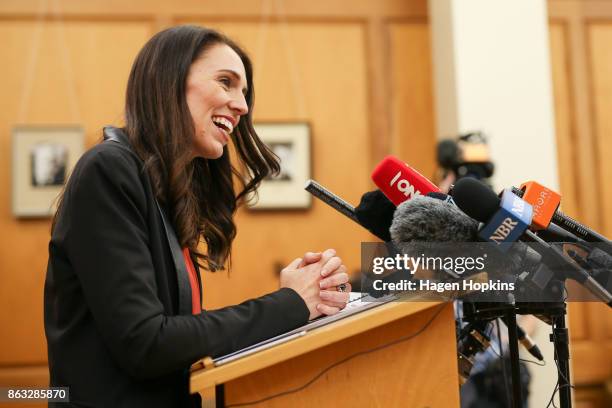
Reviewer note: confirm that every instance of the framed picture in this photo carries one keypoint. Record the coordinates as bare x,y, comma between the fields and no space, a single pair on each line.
42,160
291,143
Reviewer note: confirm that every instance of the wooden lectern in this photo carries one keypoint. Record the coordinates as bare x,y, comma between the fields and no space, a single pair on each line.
418,372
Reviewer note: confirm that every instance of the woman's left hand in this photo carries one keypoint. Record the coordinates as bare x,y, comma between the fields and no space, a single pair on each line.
335,289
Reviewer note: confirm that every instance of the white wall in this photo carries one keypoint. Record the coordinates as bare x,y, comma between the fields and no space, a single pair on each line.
492,73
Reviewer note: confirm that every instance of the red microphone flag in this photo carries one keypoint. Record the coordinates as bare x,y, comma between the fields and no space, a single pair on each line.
400,182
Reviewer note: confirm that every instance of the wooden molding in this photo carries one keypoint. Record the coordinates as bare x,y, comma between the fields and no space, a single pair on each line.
195,9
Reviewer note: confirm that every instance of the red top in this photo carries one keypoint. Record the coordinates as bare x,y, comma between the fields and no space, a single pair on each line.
196,300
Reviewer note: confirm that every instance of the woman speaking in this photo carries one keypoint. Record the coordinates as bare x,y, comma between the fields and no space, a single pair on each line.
148,207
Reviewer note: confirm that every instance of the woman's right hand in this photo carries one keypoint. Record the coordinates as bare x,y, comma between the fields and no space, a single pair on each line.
304,276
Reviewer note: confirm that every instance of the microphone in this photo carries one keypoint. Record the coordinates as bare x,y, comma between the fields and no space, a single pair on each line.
544,201
527,342
553,233
523,337
473,339
547,202
375,213
397,182
505,220
480,202
426,219
471,193
331,199
520,257
433,219
400,182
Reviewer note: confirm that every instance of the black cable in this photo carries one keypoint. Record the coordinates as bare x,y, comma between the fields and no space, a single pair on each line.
337,363
569,384
560,373
552,397
557,387
538,363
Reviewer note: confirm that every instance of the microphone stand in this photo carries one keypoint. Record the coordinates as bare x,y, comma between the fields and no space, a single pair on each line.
555,313
515,368
552,313
560,339
485,312
548,279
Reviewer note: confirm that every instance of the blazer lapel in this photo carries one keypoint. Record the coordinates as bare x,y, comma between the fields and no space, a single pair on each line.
182,277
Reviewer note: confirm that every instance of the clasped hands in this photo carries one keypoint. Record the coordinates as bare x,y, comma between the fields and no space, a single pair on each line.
316,278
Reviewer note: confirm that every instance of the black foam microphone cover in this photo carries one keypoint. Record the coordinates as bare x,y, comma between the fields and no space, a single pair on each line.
475,198
375,213
432,219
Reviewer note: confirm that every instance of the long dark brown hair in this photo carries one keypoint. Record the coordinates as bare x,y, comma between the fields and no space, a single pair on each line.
198,193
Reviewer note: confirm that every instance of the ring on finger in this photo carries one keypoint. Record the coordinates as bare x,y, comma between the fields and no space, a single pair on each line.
341,287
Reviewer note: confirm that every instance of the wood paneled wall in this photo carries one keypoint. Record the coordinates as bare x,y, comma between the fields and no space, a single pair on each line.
358,71
412,121
581,55
54,73
338,65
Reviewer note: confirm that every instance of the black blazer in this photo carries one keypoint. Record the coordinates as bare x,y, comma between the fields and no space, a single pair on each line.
112,322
